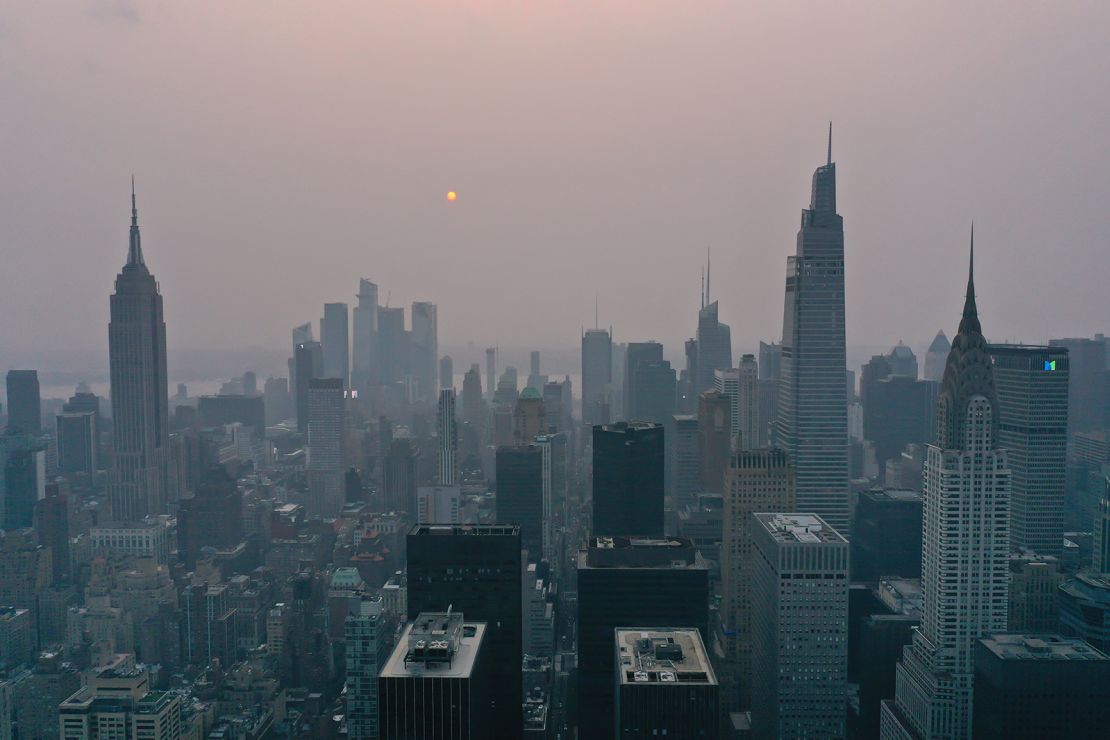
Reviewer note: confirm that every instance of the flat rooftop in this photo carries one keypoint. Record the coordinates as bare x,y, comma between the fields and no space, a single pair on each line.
806,529
640,552
465,529
670,656
1041,647
403,663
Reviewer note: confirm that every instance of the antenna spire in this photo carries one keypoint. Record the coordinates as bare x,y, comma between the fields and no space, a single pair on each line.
703,287
595,311
830,143
134,249
971,311
708,272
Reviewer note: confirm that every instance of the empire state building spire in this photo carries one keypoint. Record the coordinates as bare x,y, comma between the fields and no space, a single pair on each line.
135,249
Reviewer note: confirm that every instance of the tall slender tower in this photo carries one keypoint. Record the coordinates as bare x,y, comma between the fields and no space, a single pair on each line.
812,423
448,432
140,393
965,543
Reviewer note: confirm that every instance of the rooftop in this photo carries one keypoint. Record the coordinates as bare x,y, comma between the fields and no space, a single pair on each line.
1040,647
675,656
806,529
436,644
640,552
463,529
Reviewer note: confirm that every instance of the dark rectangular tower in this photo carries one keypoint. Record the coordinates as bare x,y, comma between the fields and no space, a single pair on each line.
628,479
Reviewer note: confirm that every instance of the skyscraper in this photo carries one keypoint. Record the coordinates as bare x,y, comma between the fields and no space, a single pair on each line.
812,423
394,345
520,494
528,416
726,381
747,389
1032,387
628,480
446,372
685,462
965,546
24,402
636,353
425,348
476,571
649,583
369,635
653,392
714,438
491,370
799,627
597,376
364,337
448,430
714,343
335,336
936,356
308,361
77,442
757,480
327,422
140,393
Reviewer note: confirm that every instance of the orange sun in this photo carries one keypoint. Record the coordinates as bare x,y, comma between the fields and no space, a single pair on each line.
452,196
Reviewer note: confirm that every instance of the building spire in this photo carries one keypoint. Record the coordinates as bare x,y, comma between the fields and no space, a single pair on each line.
703,287
708,272
830,143
970,320
135,249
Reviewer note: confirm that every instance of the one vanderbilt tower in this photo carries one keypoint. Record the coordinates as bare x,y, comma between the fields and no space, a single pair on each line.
140,396
812,423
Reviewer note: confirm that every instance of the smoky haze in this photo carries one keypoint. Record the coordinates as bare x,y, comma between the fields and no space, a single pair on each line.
282,150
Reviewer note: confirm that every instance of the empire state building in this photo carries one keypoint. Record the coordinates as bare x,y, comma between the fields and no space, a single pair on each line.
140,394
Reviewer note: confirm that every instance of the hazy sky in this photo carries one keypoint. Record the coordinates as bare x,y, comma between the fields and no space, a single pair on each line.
283,149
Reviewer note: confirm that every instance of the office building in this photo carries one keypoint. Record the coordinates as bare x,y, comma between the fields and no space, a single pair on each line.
22,478
520,495
308,360
727,382
491,370
628,479
399,477
140,393
897,411
558,406
476,571
965,545
651,583
16,638
369,636
364,336
116,702
394,346
936,356
275,400
1032,387
903,362
1029,687
24,402
750,421
555,476
876,645
211,517
714,345
636,353
666,685
447,428
528,416
327,423
756,481
446,372
685,462
1084,601
147,539
886,535
438,504
812,424
653,392
1101,541
714,438
425,349
1034,588
435,684
799,627
1087,385
336,340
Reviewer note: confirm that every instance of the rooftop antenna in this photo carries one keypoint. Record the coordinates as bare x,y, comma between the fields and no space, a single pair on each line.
708,271
703,287
830,142
595,310
388,295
